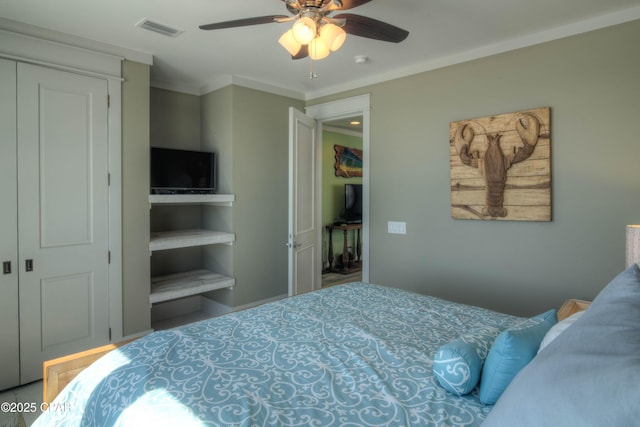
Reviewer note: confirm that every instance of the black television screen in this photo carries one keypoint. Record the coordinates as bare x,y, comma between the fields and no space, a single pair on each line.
182,171
353,203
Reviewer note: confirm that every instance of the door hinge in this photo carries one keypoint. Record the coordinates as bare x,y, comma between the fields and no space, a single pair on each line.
109,334
109,179
109,257
108,101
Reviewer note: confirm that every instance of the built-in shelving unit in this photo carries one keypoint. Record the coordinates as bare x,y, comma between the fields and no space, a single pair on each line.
188,283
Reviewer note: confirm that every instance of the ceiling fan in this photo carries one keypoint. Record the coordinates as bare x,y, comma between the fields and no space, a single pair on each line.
315,32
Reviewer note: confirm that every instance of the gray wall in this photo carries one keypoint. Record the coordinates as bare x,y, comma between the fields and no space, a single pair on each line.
217,135
135,198
175,120
591,83
249,128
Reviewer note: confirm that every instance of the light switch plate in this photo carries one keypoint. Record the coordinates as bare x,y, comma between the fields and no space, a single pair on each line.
396,227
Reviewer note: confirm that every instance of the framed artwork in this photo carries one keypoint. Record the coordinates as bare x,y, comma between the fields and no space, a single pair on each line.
501,167
348,161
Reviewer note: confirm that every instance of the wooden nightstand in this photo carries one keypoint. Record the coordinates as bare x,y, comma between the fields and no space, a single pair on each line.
572,306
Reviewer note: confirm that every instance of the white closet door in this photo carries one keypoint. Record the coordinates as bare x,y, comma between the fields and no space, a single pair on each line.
62,215
9,341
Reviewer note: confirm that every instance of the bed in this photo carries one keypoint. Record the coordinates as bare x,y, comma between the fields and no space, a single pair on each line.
349,355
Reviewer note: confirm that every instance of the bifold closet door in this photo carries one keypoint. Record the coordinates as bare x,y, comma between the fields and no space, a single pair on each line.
62,215
9,339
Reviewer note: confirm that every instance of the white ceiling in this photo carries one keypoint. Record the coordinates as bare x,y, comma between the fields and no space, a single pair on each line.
442,32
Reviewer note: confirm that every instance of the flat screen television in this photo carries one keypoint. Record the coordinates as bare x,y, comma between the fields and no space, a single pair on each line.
353,203
182,171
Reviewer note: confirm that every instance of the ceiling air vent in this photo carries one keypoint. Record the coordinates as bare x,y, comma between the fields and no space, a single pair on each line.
156,27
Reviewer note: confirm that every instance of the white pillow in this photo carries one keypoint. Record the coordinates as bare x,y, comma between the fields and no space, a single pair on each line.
558,328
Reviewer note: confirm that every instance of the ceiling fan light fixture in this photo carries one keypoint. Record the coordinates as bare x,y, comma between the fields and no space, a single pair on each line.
289,42
304,30
318,49
315,31
333,36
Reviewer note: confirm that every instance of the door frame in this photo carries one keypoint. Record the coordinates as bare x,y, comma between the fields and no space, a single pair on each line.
348,107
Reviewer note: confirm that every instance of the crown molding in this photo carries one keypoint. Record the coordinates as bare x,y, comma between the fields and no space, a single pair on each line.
579,27
75,41
222,81
177,87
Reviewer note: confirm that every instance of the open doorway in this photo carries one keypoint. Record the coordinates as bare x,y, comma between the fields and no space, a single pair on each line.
342,200
331,112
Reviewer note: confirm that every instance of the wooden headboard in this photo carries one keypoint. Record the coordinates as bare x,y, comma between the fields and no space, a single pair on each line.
57,373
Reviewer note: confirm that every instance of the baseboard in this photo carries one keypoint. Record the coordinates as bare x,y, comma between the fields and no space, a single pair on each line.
186,310
136,335
214,308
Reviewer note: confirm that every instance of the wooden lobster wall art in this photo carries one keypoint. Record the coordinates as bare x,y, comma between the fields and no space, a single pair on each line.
501,167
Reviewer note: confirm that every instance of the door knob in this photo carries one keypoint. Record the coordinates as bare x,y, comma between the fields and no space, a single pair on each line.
28,265
6,267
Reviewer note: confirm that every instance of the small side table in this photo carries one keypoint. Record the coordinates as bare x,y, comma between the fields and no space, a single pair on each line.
345,250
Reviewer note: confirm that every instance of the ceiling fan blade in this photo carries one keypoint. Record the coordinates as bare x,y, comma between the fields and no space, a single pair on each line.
372,28
302,53
347,4
243,22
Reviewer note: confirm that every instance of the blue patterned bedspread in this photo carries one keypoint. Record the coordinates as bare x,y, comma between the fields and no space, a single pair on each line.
350,355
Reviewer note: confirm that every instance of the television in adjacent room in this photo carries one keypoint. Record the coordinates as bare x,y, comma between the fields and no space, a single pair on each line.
353,203
182,171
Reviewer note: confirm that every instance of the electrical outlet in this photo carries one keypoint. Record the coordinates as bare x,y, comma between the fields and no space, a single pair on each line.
396,227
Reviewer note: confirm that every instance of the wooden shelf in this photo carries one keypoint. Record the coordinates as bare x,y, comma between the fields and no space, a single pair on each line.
192,199
187,238
179,285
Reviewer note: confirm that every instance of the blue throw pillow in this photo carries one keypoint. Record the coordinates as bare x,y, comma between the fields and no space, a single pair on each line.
512,351
457,365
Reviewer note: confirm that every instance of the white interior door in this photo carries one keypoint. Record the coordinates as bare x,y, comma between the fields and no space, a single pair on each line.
305,267
9,339
62,215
